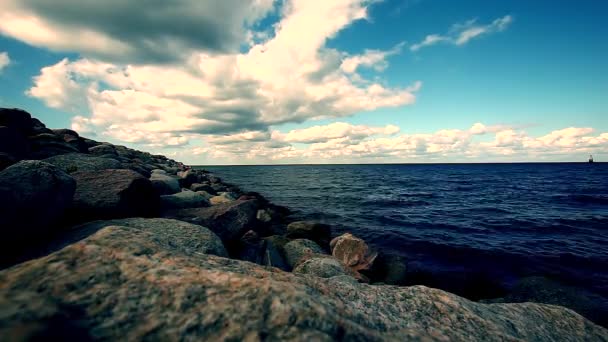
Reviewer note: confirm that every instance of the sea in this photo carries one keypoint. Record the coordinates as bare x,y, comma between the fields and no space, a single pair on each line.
472,229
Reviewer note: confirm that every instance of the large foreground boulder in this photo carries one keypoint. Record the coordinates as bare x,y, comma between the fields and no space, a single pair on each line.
126,284
73,162
229,221
33,196
113,194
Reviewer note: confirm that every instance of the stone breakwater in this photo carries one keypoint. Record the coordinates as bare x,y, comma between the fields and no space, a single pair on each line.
103,242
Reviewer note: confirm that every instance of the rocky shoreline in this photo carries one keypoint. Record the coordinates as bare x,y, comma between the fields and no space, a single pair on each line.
103,242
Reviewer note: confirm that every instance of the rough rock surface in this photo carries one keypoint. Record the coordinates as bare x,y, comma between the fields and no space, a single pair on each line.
229,221
317,232
73,162
224,197
113,194
165,184
324,267
352,252
33,196
184,199
123,284
298,249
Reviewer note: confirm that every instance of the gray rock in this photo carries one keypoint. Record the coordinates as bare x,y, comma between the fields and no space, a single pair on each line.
33,196
125,284
317,232
164,184
113,194
184,199
204,194
274,255
202,187
229,221
188,177
324,267
263,215
46,145
72,162
297,250
103,149
160,171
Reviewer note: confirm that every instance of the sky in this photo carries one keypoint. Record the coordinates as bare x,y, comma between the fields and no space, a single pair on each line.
316,81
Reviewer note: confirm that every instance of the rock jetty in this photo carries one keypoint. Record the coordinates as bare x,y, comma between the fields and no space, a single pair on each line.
103,242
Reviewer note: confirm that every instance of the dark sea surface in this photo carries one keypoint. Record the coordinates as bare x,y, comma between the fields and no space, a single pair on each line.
463,223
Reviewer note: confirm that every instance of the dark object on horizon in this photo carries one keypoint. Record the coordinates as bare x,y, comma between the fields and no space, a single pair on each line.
590,158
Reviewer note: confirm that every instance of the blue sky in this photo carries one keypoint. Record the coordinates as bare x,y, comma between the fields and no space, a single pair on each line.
534,74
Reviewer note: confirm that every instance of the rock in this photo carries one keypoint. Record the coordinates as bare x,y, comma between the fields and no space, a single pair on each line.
217,188
317,232
33,196
202,187
72,138
224,197
6,160
13,143
263,215
103,149
38,127
325,267
72,162
189,238
188,177
352,252
184,199
274,255
205,194
542,290
17,119
297,250
46,145
251,248
125,284
229,221
113,194
138,167
165,185
159,171
388,269
346,279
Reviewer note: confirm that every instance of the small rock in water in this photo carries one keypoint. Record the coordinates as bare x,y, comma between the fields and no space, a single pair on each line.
353,252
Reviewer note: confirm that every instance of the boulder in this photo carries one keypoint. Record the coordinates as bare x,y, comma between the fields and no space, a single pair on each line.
205,194
184,199
33,196
352,252
113,194
159,171
38,127
72,138
164,184
46,145
274,255
388,269
188,177
251,248
6,160
323,267
72,162
103,149
217,188
17,119
202,187
13,143
299,249
229,221
263,215
317,232
126,284
224,197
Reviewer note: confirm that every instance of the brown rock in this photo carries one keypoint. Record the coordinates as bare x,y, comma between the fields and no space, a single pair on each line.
352,252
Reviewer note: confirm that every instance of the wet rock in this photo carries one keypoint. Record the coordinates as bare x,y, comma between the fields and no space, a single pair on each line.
164,184
113,194
72,162
33,196
124,284
229,221
317,232
184,199
324,267
388,269
353,253
299,249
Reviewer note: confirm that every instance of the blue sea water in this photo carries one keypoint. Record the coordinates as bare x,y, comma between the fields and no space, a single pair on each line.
460,221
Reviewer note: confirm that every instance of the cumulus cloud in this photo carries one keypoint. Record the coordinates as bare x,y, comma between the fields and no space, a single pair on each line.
132,31
4,60
336,130
290,77
461,34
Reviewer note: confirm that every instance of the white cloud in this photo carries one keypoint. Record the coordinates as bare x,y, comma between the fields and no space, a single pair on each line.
337,130
288,78
130,31
461,34
4,60
375,59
